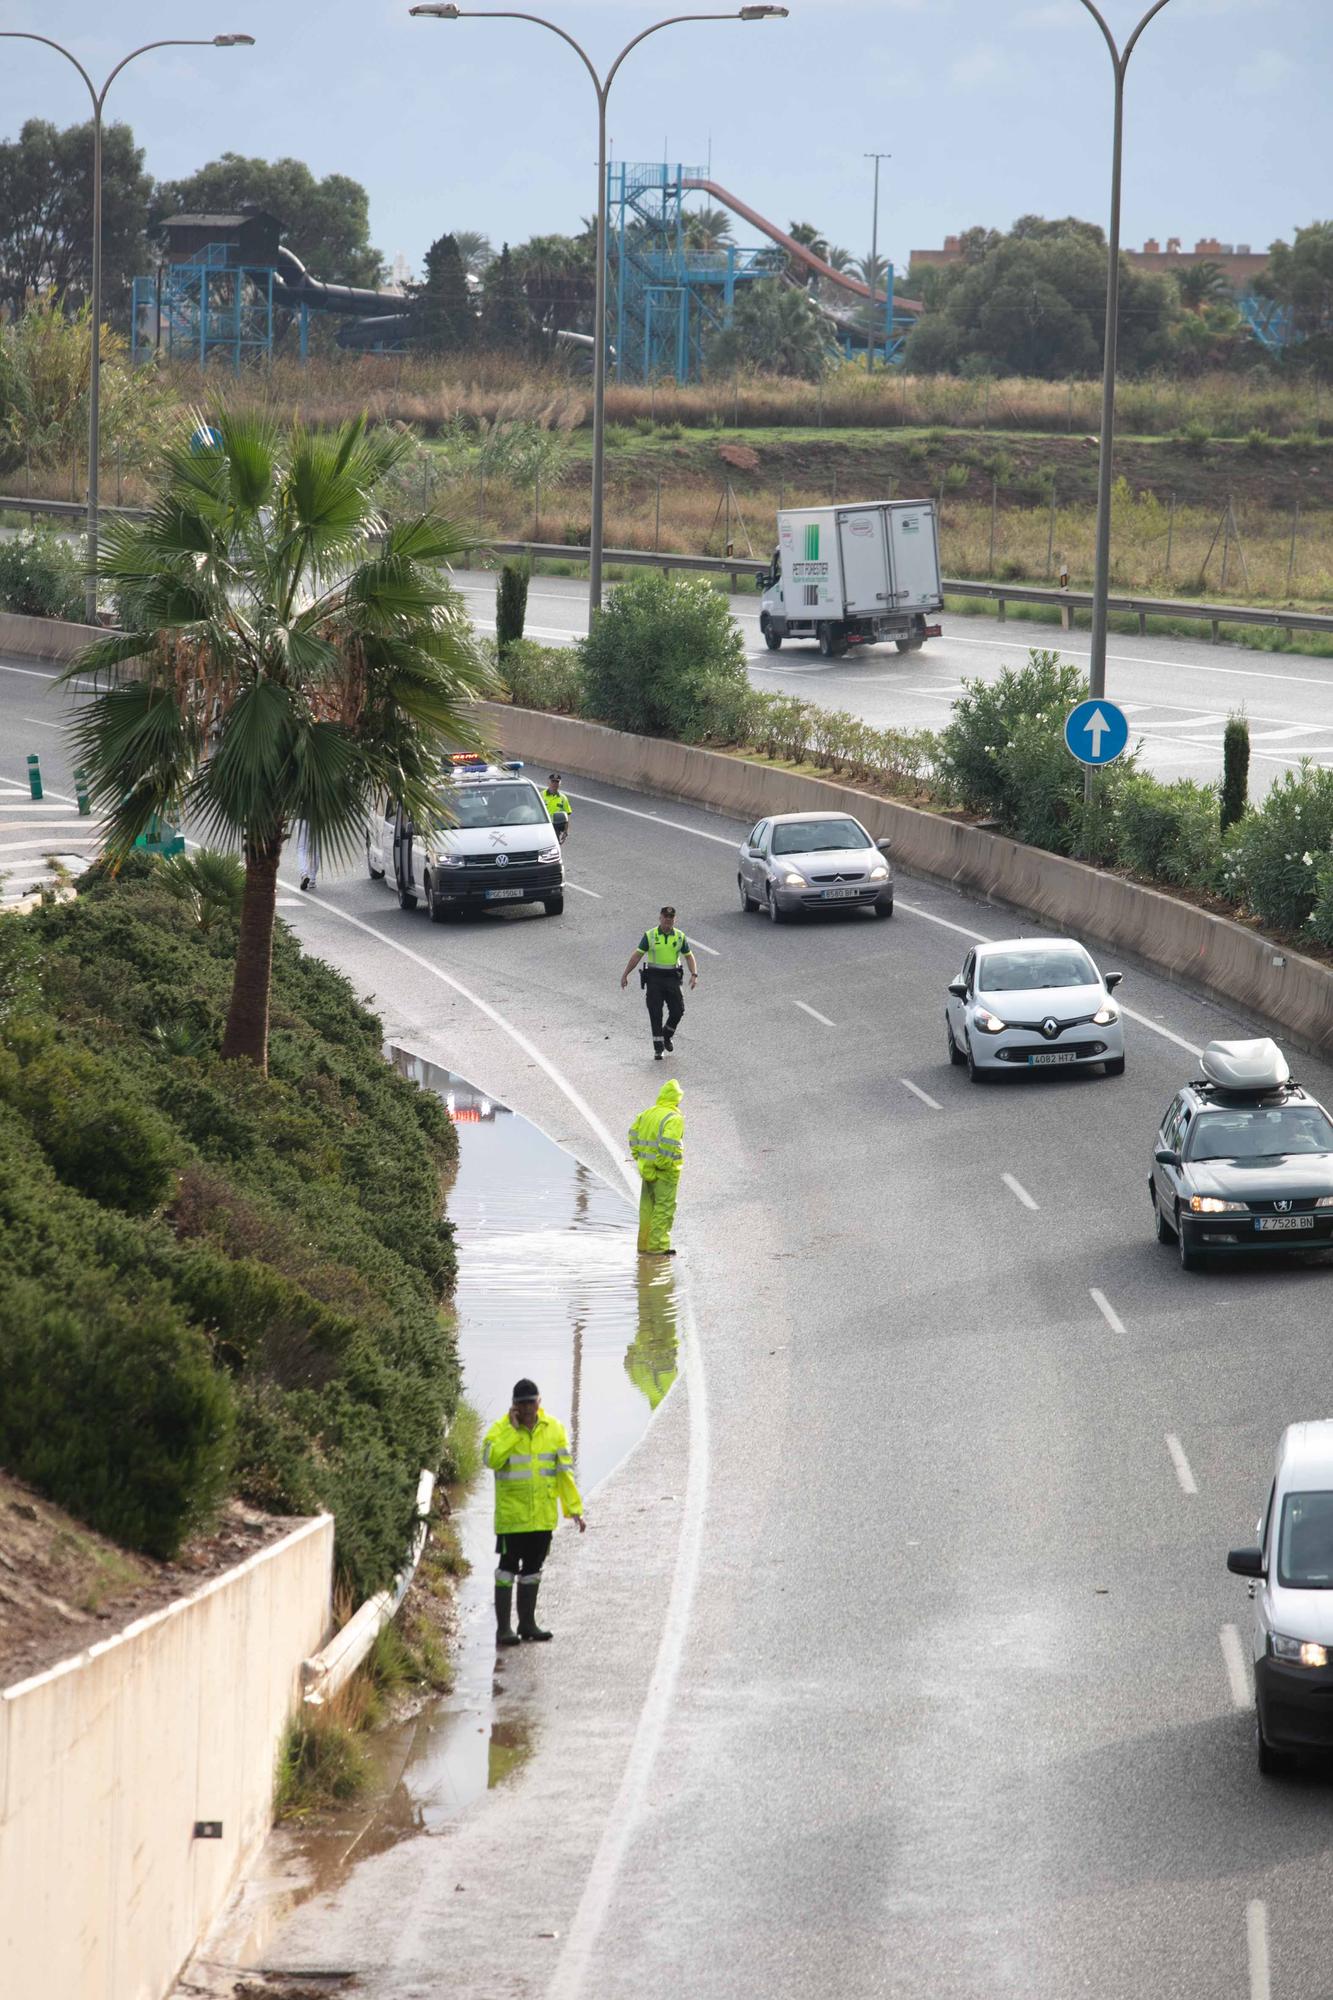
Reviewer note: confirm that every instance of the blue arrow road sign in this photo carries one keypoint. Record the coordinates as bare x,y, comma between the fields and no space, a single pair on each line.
1096,732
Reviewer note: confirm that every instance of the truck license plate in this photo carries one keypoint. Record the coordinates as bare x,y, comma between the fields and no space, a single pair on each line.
1284,1222
838,895
501,895
1053,1056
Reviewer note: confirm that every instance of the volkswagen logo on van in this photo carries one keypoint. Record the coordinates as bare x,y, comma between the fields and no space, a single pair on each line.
502,860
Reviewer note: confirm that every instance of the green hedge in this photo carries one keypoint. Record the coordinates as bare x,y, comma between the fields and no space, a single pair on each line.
276,1243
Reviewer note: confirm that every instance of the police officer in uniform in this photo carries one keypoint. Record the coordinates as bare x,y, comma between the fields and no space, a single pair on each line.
664,951
556,802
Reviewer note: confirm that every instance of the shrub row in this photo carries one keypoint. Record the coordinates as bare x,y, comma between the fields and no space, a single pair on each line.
212,1280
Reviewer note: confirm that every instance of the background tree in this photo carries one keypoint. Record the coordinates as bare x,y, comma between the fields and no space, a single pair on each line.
1202,284
506,323
809,237
446,321
774,326
1300,275
557,275
1033,303
475,250
46,215
287,657
707,229
325,222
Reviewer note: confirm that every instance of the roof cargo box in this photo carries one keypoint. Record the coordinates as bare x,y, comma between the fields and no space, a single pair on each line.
1245,1066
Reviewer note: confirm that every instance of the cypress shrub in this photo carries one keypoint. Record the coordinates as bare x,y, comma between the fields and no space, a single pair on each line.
1235,770
511,606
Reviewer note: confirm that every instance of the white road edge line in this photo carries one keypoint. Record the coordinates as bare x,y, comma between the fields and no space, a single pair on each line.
711,949
1017,1188
929,1102
1237,1678
814,1014
1181,1463
1256,1947
580,891
1106,1309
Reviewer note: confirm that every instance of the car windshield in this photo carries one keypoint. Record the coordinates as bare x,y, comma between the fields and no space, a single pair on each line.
1305,1542
818,836
1026,971
1260,1132
495,805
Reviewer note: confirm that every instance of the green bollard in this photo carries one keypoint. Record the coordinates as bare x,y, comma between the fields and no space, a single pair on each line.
81,791
34,776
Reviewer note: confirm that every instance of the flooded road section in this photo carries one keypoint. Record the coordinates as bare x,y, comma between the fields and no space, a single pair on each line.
550,1286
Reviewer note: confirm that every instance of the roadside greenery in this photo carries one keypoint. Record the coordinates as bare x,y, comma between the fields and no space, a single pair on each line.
660,653
40,576
212,1280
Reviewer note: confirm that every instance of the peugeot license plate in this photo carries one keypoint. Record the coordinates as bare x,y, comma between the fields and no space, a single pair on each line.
838,895
1052,1056
1284,1222
500,895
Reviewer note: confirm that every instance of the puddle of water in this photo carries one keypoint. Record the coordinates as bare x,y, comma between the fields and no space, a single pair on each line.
549,1285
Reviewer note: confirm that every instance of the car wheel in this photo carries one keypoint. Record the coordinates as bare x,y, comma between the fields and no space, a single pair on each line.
1190,1260
376,874
883,906
1116,1066
955,1053
772,639
974,1074
776,913
748,903
554,906
1162,1226
1271,1762
434,910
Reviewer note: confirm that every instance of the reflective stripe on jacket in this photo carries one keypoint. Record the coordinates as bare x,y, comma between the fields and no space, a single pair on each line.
665,948
657,1136
533,1469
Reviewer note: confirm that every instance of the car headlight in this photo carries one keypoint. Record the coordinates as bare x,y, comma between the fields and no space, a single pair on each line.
1210,1204
879,874
549,854
449,860
989,1024
792,880
1104,1016
1300,1652
1325,1201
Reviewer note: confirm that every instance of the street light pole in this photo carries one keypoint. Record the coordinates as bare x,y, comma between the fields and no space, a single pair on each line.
98,99
444,10
1102,580
871,302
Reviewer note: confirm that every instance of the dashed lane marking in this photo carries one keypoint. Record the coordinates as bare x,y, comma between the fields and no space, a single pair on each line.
814,1014
1106,1309
1017,1189
1181,1463
1233,1657
1256,1948
930,1103
579,890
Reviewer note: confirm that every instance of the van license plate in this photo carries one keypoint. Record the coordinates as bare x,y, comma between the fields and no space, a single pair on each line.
838,895
502,895
1284,1222
1053,1056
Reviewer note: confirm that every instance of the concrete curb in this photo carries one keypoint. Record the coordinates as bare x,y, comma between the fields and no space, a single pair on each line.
50,639
1209,952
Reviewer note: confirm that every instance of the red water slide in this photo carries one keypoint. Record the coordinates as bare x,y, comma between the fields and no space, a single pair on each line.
795,249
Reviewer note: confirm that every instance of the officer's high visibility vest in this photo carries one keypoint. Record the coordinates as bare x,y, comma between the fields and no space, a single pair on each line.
556,802
665,948
533,1472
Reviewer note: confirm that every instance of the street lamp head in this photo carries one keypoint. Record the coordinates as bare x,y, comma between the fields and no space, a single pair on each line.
437,10
763,13
233,41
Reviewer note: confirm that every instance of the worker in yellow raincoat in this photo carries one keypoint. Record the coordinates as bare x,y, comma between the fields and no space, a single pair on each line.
657,1143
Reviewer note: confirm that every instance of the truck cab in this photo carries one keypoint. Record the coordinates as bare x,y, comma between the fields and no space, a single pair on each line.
494,843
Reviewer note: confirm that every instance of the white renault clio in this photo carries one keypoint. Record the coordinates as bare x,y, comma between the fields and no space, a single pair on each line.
1292,1587
1032,1003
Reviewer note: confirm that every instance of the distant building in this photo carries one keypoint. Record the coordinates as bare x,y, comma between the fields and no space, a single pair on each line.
1240,264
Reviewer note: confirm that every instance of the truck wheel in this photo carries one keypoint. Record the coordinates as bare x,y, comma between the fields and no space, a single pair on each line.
831,642
903,645
772,639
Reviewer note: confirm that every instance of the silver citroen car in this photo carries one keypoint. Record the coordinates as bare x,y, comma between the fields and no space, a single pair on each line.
813,861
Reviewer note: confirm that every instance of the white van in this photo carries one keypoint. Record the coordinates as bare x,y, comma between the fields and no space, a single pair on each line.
499,846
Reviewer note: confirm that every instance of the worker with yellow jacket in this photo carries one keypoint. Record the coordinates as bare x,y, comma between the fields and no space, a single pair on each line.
657,1142
534,1476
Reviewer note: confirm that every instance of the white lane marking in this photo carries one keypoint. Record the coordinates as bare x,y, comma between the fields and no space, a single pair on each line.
1106,1309
723,839
32,844
1256,1946
579,890
31,673
35,722
929,1102
1181,1463
1237,1678
1017,1188
814,1015
1143,660
289,902
711,949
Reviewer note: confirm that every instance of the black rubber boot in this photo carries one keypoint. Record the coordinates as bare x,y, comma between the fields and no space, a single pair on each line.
528,1628
504,1631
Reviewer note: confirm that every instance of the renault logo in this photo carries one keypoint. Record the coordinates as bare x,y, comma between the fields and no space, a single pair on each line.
1282,1207
502,860
1050,1028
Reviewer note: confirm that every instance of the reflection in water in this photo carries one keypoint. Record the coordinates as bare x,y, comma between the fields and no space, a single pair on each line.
511,1746
650,1359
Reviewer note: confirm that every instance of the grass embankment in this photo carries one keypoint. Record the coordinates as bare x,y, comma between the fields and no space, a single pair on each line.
212,1281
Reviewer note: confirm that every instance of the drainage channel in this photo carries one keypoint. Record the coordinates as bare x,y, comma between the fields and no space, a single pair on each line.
550,1286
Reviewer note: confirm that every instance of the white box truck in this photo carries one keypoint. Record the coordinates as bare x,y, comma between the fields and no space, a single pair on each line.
854,576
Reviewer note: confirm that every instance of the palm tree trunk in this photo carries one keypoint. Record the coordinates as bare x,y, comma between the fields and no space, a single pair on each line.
246,1034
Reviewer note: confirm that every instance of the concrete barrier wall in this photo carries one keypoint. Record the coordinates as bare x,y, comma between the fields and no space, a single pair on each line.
1293,992
108,1760
45,638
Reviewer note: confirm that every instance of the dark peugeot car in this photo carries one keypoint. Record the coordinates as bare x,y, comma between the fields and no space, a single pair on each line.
1244,1159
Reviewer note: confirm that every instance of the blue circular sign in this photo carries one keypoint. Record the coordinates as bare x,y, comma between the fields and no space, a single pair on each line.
1096,731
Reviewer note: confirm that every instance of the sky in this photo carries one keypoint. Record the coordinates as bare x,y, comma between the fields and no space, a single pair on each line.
990,109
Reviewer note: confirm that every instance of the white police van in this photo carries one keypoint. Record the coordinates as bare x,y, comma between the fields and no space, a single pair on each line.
496,844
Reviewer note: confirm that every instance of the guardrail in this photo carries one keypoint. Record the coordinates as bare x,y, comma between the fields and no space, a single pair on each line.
1066,602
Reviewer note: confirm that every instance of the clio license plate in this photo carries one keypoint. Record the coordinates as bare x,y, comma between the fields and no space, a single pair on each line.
1275,1222
503,895
1052,1056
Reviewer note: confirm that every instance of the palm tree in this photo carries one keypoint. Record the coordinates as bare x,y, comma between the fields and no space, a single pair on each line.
1202,284
872,275
837,258
707,229
287,656
475,250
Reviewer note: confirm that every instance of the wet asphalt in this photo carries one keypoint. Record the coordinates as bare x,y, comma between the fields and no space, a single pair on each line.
948,1710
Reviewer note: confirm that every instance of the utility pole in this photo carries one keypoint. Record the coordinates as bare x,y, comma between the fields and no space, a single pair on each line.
871,305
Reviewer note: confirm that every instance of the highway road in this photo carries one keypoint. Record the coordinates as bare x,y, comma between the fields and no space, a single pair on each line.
1177,693
901,1658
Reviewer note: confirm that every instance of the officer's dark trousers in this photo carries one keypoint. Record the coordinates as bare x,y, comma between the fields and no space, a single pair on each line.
665,992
